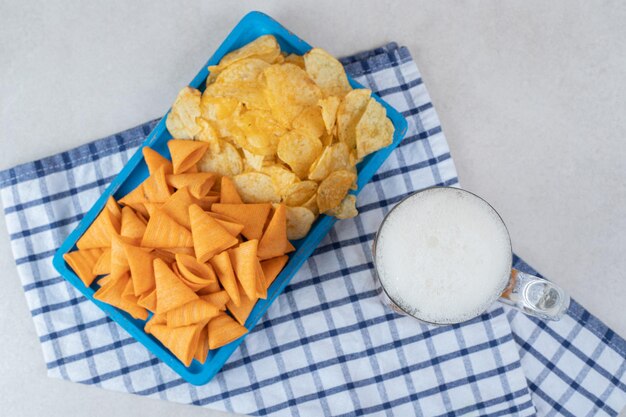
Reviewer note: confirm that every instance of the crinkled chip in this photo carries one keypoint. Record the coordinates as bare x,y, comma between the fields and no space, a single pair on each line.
264,47
282,178
299,150
329,106
219,110
227,162
327,72
346,209
207,133
181,122
374,130
249,93
299,193
289,90
260,133
299,221
252,162
311,204
295,59
310,121
333,158
333,189
254,187
247,69
349,113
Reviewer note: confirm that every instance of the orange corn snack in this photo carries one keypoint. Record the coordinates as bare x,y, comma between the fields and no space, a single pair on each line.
155,187
132,227
155,320
114,209
226,275
171,292
111,293
136,199
99,233
218,299
141,268
260,281
148,300
177,206
274,241
199,183
233,228
252,216
209,237
103,264
196,275
242,311
191,313
181,341
223,330
243,259
163,232
155,160
202,349
185,153
83,263
228,192
119,263
272,267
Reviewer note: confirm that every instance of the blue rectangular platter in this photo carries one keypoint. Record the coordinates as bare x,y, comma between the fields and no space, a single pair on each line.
252,26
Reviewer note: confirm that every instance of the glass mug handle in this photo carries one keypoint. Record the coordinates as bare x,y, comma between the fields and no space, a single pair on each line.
535,296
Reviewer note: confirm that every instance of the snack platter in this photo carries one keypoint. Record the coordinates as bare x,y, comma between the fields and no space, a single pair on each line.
251,27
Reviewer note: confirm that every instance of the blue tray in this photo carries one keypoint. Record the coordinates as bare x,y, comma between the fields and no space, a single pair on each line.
252,26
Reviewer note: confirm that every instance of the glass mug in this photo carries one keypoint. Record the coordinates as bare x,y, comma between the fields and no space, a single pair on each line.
530,294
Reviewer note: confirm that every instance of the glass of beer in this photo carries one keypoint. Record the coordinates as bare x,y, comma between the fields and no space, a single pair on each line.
443,255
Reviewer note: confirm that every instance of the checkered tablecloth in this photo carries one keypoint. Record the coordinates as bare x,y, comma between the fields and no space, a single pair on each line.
326,346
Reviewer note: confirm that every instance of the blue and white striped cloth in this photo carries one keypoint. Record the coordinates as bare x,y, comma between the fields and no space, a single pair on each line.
327,346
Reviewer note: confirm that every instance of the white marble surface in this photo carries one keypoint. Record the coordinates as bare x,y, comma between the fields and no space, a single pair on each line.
532,97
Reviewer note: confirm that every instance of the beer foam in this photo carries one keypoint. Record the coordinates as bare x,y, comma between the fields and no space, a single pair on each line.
443,255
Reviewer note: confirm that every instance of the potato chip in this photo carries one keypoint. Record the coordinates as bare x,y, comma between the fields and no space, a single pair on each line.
299,221
346,209
295,59
254,187
249,93
181,121
207,133
260,133
281,177
374,130
299,150
247,69
349,113
289,90
264,47
299,193
219,111
333,189
227,162
223,330
329,106
311,204
252,162
327,72
333,158
82,263
310,121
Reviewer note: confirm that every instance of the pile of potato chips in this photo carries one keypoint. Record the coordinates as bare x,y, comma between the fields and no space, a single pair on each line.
186,248
285,128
